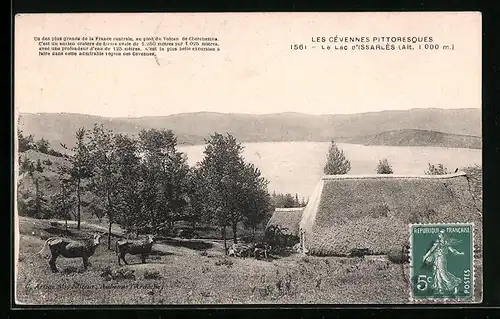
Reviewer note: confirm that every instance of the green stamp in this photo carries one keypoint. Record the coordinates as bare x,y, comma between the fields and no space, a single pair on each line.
442,262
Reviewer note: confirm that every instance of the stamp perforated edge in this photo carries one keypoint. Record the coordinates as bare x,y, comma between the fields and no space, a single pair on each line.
470,299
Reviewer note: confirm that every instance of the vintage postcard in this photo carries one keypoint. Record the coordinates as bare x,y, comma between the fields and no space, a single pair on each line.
248,158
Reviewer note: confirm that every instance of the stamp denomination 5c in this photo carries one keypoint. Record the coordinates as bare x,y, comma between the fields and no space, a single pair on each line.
442,262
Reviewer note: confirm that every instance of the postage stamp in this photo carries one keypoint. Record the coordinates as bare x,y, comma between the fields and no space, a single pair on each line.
442,262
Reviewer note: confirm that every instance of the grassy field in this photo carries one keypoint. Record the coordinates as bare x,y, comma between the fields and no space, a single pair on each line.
197,272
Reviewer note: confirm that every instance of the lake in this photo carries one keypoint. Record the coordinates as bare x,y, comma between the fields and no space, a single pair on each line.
296,167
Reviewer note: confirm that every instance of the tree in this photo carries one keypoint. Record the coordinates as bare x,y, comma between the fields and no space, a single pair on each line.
80,168
336,163
94,204
235,191
384,167
39,167
195,210
105,179
63,203
436,170
285,201
42,145
24,142
221,168
255,199
148,188
179,184
288,201
31,204
129,204
165,184
26,165
40,204
156,147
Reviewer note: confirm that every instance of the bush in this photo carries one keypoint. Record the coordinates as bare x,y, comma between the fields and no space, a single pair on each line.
53,152
185,233
122,274
26,165
359,252
107,273
152,274
384,167
42,145
224,262
25,142
39,167
265,291
284,285
436,170
398,256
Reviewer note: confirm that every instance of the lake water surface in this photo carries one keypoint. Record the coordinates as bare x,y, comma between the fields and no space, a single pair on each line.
296,167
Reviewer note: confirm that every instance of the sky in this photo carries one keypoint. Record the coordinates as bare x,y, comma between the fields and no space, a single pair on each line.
255,71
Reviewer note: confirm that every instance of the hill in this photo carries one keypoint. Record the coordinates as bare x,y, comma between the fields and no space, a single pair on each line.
61,127
48,183
192,128
414,137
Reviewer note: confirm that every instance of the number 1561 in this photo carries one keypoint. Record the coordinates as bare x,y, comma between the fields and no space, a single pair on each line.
298,46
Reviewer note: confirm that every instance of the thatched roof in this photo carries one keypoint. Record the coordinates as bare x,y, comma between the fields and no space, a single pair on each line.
374,211
287,219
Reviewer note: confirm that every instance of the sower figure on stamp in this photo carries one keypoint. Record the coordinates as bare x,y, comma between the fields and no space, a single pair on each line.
436,256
